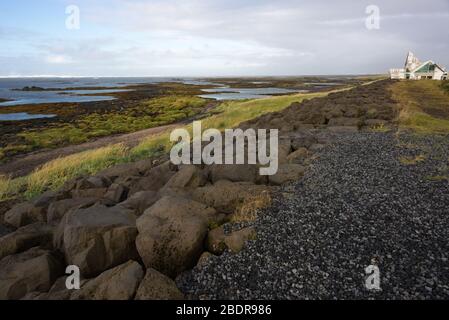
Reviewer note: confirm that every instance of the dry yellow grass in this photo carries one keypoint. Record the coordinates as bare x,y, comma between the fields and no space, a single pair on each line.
409,161
53,174
248,210
9,188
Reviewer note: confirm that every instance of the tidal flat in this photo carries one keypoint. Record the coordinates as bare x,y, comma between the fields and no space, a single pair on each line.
131,107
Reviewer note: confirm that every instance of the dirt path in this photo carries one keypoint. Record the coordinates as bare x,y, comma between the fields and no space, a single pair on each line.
25,164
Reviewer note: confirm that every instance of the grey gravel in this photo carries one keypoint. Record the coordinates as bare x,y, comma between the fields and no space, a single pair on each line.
356,205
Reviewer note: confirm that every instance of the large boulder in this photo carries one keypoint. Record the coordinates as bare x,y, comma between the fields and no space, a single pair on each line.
235,173
24,238
32,271
237,239
286,173
121,170
116,193
313,117
89,193
155,179
140,201
58,291
58,209
97,238
119,283
188,176
171,234
4,230
25,213
302,139
300,156
45,199
93,182
156,286
226,196
345,121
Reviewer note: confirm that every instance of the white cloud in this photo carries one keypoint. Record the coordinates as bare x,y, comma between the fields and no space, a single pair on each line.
58,59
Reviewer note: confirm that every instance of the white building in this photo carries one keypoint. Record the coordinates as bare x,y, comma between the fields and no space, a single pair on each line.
416,70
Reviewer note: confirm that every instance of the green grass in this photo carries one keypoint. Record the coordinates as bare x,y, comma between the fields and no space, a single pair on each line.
53,174
445,85
147,114
423,106
425,124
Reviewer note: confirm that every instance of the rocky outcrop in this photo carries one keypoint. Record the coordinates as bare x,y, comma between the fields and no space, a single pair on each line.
235,173
140,201
226,196
58,209
24,238
188,176
34,270
236,240
119,283
286,173
116,193
97,238
171,234
300,156
155,179
156,286
217,241
25,213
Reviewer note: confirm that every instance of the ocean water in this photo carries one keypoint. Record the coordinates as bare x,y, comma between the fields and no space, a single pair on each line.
7,86
23,116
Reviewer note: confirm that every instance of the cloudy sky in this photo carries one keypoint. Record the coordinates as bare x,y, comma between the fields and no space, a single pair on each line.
217,37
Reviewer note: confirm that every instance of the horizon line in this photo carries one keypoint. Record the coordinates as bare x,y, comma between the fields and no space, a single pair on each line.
190,76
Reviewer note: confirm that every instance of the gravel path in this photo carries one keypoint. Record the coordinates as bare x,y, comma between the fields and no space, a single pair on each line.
357,203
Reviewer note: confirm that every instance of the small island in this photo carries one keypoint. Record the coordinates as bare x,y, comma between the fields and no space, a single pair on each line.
32,88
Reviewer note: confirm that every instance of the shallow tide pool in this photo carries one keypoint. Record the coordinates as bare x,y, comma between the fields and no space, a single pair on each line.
23,116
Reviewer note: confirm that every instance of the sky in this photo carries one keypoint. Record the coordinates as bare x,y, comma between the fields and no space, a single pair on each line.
207,38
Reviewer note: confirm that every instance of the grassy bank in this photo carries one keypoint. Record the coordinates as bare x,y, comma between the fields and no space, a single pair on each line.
53,174
423,105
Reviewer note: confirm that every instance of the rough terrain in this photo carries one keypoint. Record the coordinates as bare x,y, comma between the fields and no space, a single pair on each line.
349,192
